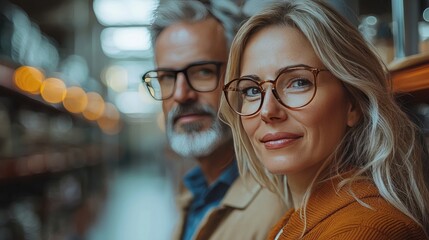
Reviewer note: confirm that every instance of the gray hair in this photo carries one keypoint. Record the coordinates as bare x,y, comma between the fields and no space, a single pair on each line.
170,12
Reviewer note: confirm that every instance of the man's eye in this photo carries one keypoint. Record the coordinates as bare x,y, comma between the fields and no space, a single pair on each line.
206,71
166,77
202,73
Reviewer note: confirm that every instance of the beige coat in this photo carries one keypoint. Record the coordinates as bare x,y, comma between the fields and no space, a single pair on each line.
247,212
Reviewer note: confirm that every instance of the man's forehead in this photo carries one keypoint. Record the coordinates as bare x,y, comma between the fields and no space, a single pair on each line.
183,43
185,32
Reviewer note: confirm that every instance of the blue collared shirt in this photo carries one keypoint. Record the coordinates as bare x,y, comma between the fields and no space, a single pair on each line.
205,197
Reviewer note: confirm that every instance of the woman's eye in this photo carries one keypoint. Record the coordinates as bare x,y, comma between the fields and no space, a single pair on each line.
251,92
299,84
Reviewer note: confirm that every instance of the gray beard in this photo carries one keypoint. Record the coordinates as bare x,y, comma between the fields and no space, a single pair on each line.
194,142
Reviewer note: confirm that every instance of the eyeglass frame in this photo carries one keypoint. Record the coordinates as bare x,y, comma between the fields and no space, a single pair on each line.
313,70
184,70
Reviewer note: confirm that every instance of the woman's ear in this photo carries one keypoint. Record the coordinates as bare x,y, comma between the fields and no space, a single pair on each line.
354,114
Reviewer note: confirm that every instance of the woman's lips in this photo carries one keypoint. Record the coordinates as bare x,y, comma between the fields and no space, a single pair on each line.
279,140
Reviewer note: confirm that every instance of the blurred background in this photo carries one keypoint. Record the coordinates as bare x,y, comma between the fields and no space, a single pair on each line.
83,153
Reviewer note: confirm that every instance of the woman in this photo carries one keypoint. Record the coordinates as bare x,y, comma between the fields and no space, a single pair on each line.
314,119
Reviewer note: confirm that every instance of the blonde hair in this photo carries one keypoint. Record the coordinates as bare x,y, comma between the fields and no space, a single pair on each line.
383,146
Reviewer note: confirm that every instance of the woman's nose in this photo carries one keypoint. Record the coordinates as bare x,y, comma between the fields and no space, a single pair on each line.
271,109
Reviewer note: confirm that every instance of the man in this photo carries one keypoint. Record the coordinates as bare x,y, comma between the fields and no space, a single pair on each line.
191,43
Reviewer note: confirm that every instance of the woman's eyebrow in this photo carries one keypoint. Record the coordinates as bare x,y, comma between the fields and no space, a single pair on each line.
290,66
252,76
257,78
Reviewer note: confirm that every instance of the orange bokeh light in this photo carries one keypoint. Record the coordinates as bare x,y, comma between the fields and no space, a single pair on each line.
95,107
53,90
75,100
28,79
109,122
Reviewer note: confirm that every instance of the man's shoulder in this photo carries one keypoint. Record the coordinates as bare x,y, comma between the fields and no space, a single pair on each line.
243,202
246,192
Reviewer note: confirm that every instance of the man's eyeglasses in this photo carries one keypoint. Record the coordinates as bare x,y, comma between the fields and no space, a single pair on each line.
201,77
294,87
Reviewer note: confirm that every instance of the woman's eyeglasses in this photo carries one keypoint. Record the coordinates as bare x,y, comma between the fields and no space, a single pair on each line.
294,87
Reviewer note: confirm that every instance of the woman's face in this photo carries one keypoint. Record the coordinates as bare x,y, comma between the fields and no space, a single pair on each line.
294,141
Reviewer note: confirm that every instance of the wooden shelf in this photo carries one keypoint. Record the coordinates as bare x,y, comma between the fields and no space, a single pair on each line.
410,74
48,162
31,155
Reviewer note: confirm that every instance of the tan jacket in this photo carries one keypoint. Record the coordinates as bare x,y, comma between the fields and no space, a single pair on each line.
247,212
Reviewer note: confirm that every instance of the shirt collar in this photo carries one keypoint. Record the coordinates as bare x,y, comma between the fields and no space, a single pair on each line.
196,182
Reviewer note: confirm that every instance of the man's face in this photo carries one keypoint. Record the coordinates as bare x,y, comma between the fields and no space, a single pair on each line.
193,128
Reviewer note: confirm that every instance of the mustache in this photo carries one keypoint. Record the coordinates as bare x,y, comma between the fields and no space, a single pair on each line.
190,108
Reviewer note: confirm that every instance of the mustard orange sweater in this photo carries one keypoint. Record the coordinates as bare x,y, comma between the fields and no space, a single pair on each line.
337,215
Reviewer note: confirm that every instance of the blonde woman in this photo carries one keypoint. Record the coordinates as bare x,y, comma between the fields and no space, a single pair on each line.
313,118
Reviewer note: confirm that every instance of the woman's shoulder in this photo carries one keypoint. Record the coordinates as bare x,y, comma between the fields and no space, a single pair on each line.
360,210
374,211
378,220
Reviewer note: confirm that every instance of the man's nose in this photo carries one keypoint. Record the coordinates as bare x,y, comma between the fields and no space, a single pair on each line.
182,91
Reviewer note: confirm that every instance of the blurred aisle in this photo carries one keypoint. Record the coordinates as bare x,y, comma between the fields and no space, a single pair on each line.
140,205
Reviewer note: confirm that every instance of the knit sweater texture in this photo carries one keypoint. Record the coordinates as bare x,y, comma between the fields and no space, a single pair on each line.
333,214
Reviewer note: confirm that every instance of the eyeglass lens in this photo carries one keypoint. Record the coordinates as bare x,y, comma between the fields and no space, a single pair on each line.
202,77
295,88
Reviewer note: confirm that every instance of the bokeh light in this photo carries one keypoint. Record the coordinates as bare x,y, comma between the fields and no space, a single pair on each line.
95,107
109,122
116,78
53,90
29,79
75,100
